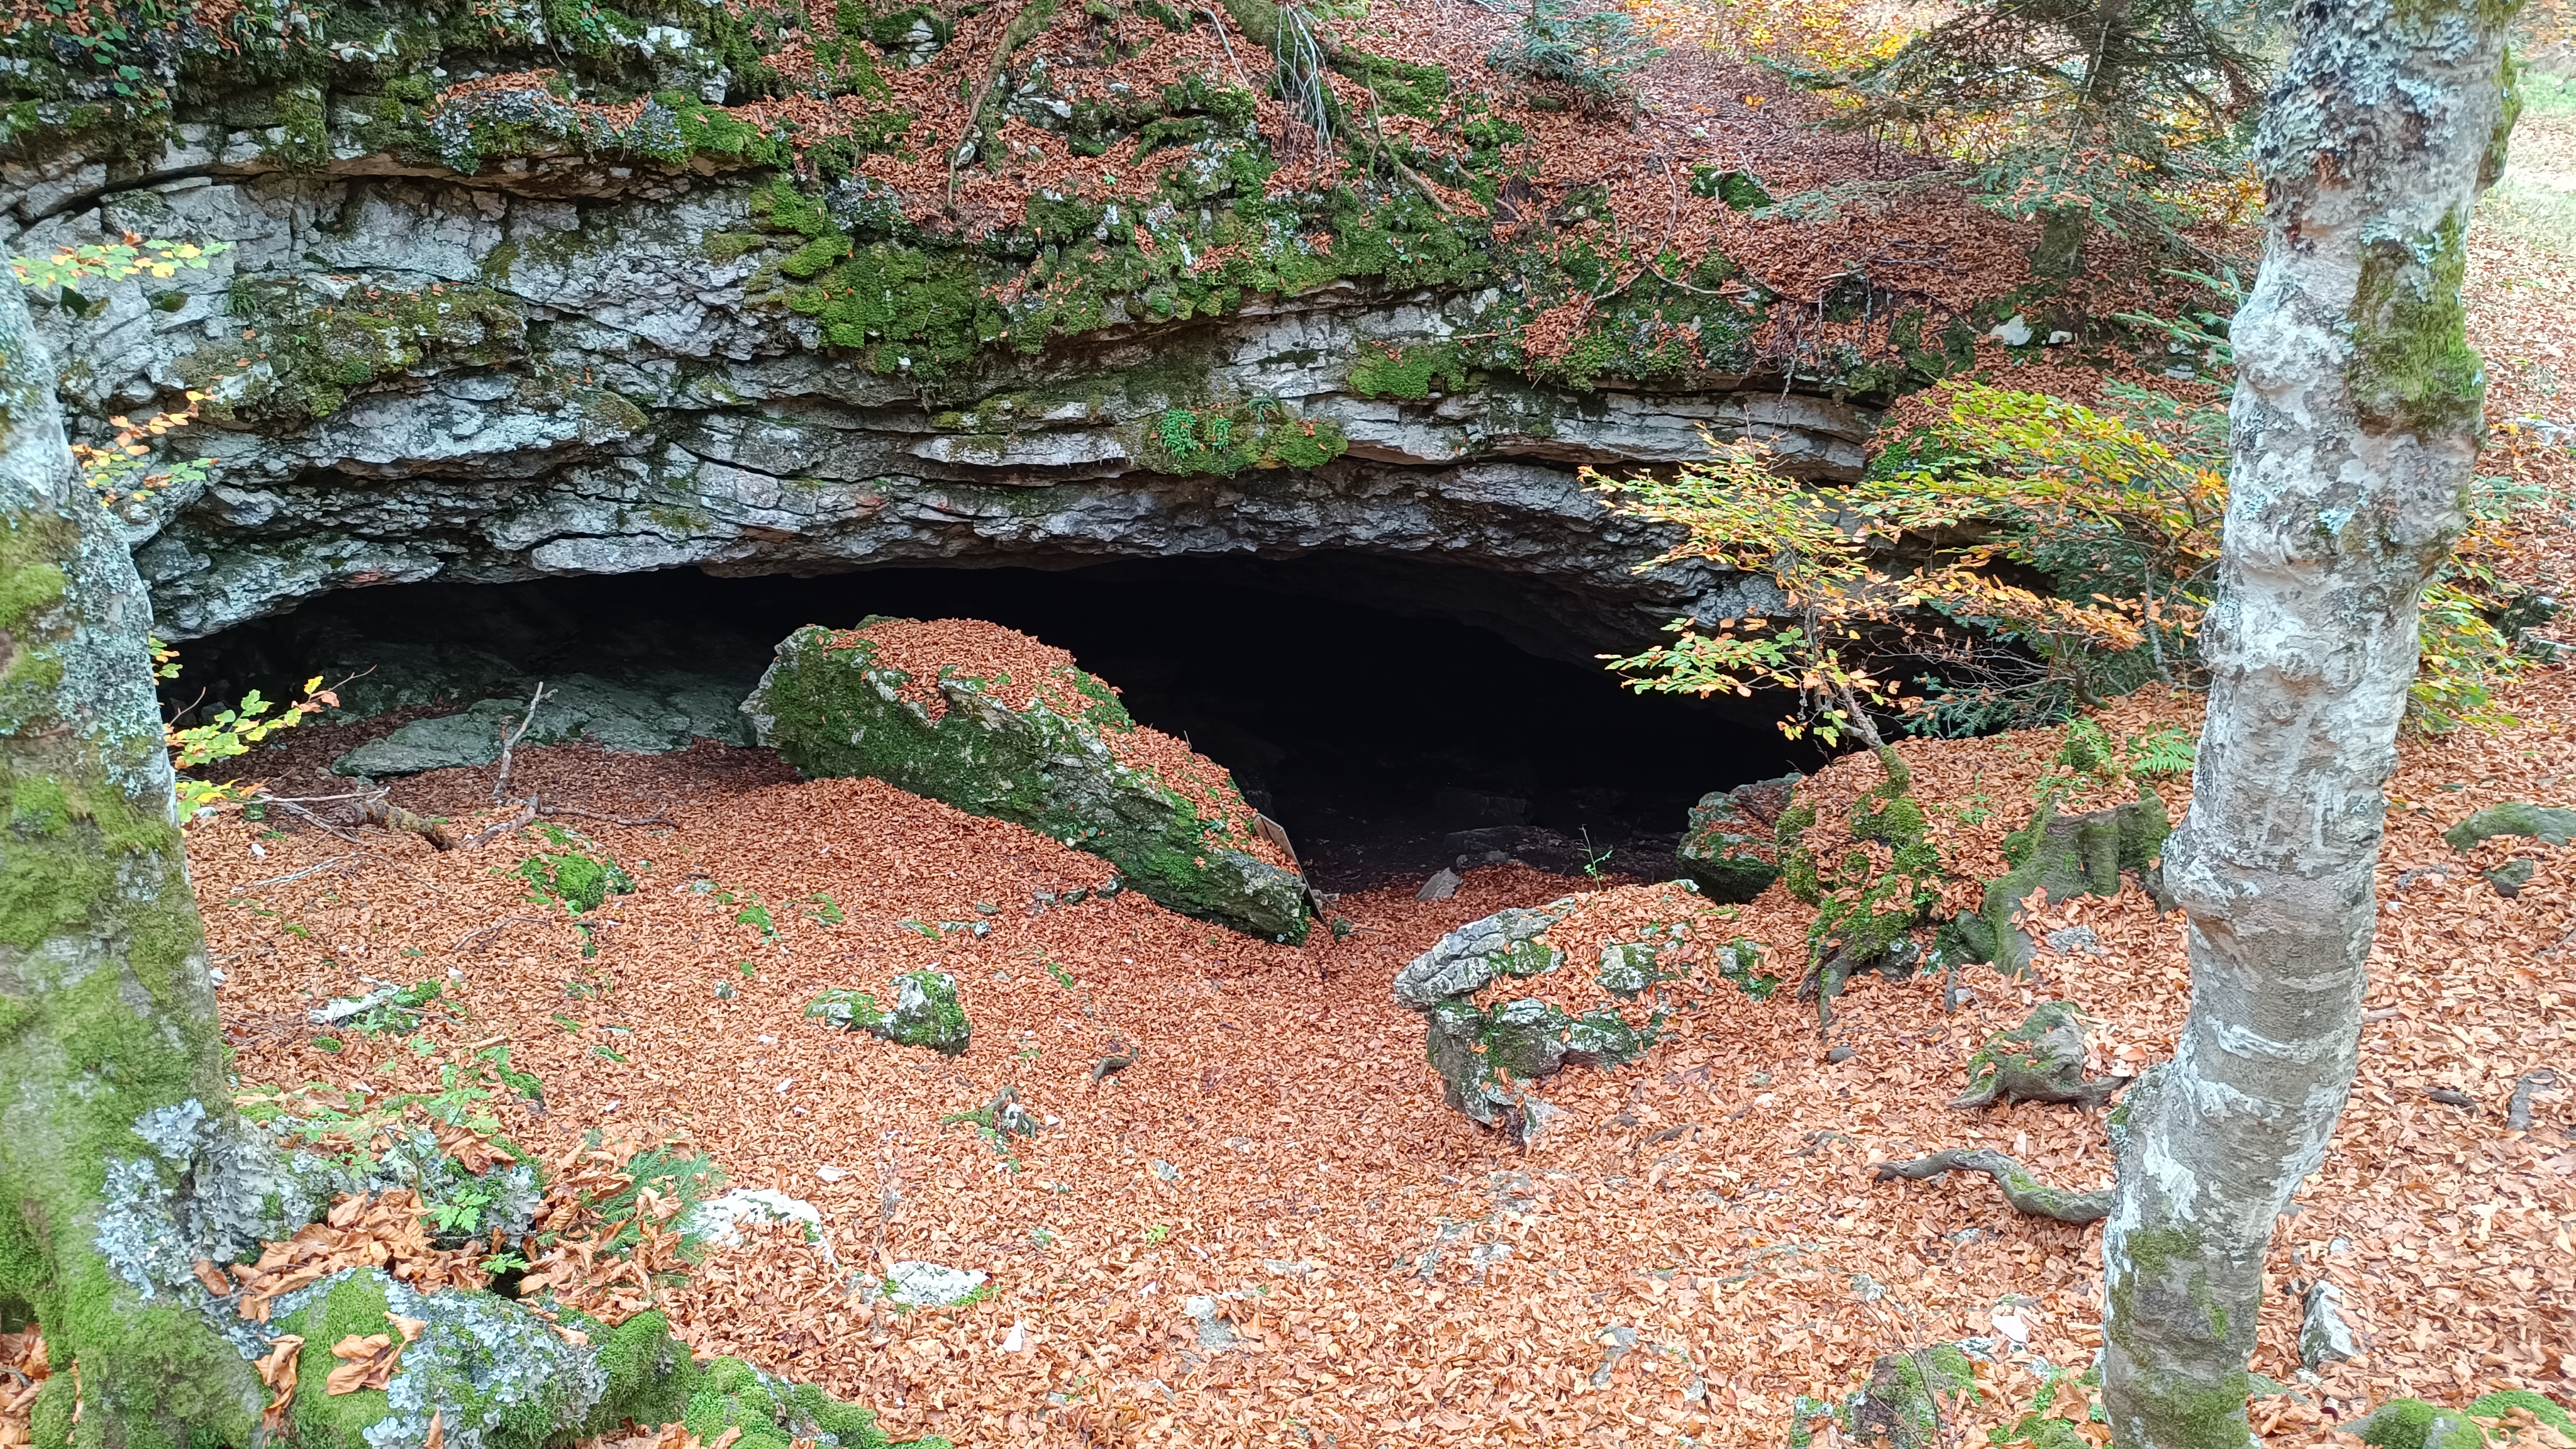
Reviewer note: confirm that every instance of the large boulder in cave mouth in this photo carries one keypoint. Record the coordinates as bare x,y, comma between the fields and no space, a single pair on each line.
1732,848
1586,980
996,723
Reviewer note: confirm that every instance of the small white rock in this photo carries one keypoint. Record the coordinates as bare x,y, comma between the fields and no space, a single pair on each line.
931,1284
719,1220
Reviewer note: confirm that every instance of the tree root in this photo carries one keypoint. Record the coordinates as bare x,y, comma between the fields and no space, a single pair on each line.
2025,1192
2517,1112
384,812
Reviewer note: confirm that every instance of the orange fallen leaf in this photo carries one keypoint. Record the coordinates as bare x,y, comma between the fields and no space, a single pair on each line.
278,1371
369,1362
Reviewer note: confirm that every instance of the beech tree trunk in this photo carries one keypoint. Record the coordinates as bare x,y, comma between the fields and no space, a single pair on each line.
116,1170
2357,415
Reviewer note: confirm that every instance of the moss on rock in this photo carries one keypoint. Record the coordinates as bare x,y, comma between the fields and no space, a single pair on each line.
2066,856
1864,905
2041,1060
1053,765
925,1013
1488,1043
2543,823
1732,848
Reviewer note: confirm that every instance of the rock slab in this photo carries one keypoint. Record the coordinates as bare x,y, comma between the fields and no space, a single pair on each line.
830,708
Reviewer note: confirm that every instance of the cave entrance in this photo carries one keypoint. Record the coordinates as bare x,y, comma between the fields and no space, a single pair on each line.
1391,717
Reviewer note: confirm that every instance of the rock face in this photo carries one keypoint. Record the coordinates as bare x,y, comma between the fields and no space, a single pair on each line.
1731,848
491,376
994,723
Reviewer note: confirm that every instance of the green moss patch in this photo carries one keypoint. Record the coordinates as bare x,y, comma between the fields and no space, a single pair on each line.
925,1013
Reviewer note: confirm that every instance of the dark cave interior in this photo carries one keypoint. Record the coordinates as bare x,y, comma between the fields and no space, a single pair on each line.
1374,722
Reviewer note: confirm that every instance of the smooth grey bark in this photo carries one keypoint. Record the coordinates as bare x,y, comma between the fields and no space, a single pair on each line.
2356,419
119,1167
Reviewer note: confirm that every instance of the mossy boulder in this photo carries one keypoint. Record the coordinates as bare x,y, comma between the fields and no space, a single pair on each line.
1065,760
1490,1037
1732,848
2041,1060
925,1012
2415,1424
2543,823
1901,1406
2067,856
494,1374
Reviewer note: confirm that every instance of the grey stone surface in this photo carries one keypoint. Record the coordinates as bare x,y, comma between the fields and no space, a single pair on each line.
649,714
2324,1337
626,403
933,1284
1487,1056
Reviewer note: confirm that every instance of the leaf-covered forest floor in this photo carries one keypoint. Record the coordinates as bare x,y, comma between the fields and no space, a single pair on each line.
1696,1244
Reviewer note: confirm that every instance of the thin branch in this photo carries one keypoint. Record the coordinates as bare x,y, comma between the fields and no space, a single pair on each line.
297,875
510,740
2025,1192
295,809
656,818
527,812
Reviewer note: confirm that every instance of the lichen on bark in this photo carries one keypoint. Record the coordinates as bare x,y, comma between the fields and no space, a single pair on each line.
2355,425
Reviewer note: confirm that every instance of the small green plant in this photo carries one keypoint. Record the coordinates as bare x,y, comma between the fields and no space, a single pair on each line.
576,873
1157,1233
462,1211
2164,750
1592,54
825,909
1062,977
230,734
1592,860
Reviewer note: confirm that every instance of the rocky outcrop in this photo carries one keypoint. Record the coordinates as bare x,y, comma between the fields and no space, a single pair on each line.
431,377
1509,1006
646,716
992,722
625,407
1731,848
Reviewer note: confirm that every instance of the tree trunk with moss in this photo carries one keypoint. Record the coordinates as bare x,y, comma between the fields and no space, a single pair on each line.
113,1107
2357,416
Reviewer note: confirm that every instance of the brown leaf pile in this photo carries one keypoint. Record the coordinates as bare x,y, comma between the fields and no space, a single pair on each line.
23,1371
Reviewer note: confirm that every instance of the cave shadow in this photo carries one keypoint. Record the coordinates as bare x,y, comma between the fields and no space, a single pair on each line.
1392,715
